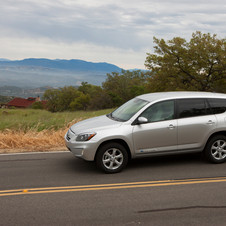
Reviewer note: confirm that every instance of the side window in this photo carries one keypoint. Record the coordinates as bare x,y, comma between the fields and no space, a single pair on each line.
218,106
193,107
160,111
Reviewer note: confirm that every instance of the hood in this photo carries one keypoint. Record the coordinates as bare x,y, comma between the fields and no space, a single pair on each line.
94,124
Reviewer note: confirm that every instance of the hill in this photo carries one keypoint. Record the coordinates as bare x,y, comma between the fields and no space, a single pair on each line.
5,99
74,65
56,73
9,92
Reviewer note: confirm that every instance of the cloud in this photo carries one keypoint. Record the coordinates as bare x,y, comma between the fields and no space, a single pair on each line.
122,26
47,48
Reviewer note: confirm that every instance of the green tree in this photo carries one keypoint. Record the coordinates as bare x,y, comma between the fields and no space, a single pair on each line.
99,98
67,94
37,105
85,88
81,102
92,90
102,100
123,86
60,99
51,96
180,65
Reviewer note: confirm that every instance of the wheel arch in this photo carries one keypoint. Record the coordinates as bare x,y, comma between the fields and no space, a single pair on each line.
120,141
215,134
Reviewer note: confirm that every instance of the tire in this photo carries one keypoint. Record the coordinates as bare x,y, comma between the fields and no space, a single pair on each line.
215,150
112,157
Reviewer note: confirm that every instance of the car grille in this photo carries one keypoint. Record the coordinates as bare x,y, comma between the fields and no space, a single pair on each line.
67,136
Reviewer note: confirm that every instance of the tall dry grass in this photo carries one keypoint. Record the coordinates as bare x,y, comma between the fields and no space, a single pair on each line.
33,139
32,130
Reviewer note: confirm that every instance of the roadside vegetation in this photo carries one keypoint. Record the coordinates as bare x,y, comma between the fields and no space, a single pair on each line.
38,129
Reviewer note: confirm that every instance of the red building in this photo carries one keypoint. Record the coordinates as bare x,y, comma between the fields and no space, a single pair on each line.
24,103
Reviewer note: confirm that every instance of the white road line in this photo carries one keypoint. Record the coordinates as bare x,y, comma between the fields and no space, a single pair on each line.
30,153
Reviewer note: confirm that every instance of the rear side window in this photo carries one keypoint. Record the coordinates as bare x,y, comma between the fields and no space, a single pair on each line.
192,108
218,106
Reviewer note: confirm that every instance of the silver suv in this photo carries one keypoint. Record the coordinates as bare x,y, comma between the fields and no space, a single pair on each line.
150,125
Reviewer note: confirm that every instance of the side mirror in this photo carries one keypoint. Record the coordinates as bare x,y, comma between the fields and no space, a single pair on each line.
142,120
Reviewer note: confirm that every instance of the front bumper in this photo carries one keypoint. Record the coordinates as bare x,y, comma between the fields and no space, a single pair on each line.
85,150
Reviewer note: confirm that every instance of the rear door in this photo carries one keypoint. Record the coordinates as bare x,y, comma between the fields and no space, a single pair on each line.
195,123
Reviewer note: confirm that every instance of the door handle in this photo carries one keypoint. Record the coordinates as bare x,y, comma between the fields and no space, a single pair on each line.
171,126
210,122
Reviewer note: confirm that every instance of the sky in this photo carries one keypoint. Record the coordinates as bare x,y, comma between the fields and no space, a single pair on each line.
119,32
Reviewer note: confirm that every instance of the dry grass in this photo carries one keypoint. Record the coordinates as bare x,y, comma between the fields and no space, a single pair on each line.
33,139
23,130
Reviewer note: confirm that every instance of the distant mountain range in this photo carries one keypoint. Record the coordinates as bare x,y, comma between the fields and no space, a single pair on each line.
33,73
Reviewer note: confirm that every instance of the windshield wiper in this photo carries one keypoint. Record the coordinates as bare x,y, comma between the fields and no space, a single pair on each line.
112,117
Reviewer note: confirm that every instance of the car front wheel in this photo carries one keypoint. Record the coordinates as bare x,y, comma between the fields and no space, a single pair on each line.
215,150
112,157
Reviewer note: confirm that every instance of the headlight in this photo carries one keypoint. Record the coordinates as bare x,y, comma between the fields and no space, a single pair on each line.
85,136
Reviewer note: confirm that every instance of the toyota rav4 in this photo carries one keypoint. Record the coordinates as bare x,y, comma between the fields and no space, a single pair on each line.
150,125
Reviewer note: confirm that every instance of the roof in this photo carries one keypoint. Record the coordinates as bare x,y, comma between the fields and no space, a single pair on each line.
20,102
150,97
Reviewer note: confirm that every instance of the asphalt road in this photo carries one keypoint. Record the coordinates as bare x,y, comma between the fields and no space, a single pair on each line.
58,189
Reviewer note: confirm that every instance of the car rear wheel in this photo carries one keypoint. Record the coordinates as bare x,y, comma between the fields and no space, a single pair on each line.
112,157
215,150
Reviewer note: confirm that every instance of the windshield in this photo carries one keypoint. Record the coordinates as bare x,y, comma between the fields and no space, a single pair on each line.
127,110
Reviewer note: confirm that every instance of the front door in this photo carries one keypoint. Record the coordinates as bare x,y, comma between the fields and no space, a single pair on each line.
159,134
